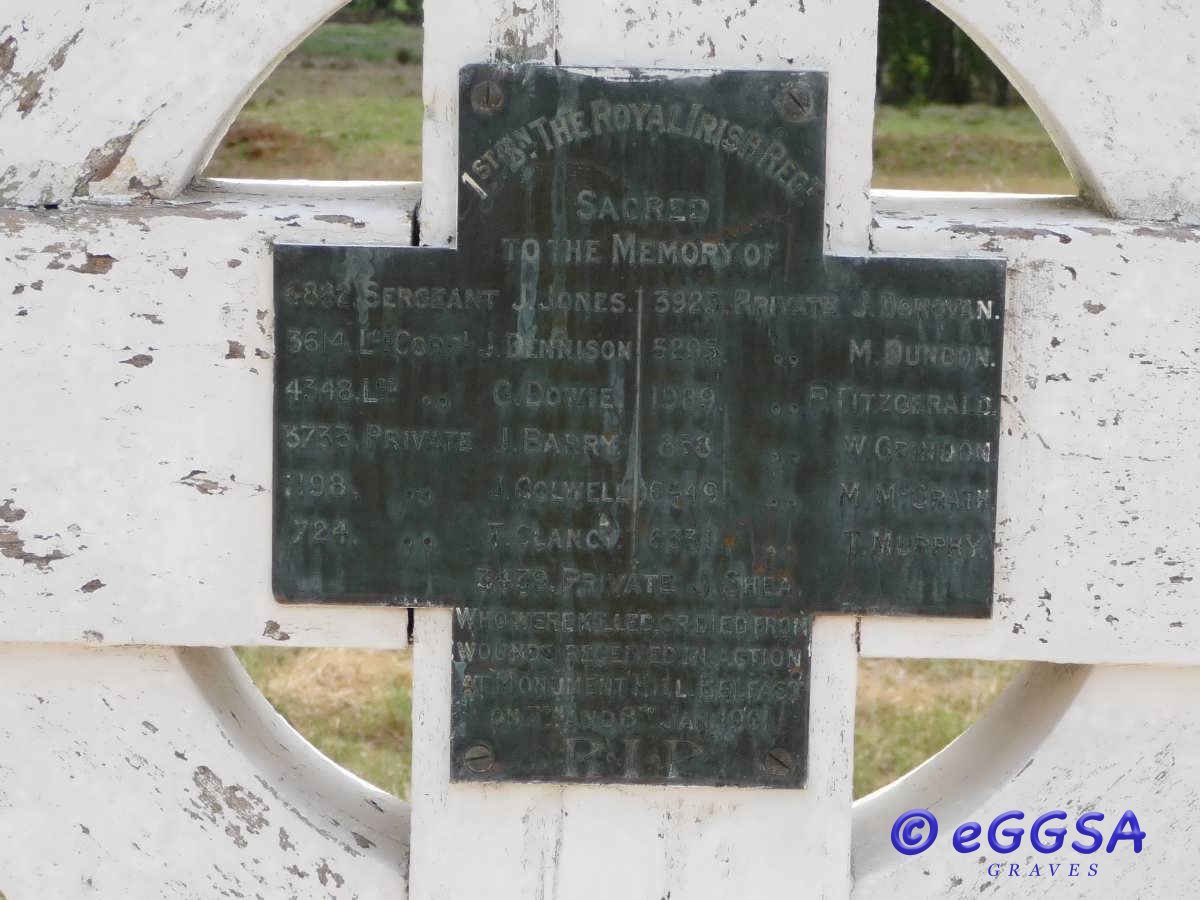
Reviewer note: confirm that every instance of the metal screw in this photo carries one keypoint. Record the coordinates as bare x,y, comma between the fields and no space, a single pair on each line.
487,97
779,762
479,758
796,102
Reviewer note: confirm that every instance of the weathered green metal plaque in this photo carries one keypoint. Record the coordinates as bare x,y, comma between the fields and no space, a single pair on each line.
638,428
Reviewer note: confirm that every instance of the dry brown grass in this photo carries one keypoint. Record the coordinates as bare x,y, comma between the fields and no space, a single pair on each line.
325,681
354,705
331,119
909,709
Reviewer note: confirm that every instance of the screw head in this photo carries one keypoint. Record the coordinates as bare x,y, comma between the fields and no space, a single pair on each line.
479,758
779,762
796,103
487,97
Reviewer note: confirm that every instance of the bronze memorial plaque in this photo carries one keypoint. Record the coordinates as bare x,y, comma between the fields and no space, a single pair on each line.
638,429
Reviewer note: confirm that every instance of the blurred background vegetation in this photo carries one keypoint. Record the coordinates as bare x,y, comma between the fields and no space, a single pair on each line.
373,10
346,104
925,58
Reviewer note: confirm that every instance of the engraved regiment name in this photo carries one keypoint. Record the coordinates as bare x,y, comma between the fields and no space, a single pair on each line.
638,429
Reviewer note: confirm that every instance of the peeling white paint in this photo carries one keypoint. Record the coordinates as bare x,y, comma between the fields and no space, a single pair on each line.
137,342
1095,560
153,773
163,360
1126,126
1107,739
124,98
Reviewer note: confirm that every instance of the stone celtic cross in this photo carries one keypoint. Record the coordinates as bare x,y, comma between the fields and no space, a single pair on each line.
639,428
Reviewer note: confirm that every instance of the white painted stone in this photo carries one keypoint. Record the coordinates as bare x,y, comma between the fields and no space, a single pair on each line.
126,98
142,384
1095,561
1108,739
1113,82
149,773
138,414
